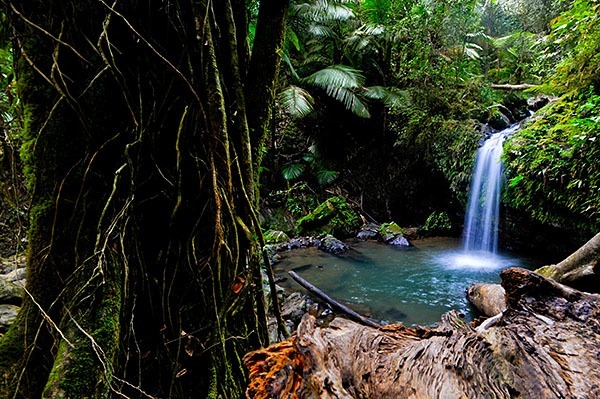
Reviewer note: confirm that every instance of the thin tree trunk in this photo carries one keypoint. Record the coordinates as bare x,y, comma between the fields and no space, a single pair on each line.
263,70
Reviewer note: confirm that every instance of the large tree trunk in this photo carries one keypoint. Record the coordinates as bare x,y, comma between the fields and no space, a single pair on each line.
143,271
545,345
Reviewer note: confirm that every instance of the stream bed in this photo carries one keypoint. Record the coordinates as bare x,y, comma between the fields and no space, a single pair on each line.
412,285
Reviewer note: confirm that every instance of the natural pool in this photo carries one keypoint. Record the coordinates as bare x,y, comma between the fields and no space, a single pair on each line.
413,285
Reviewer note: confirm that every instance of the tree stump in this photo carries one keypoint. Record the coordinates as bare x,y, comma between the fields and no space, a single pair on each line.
545,345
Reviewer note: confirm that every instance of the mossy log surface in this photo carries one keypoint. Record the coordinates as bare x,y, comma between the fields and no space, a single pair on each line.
580,269
544,345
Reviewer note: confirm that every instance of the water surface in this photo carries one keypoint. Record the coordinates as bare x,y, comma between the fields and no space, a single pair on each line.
414,285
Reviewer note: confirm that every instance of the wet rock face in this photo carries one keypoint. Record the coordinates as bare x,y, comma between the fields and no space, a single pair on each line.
332,245
8,313
392,234
12,281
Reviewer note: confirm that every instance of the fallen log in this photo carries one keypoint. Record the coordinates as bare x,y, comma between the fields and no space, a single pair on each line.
487,298
580,269
523,86
545,345
332,302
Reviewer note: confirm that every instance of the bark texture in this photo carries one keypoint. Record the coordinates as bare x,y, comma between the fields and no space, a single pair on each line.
143,273
544,346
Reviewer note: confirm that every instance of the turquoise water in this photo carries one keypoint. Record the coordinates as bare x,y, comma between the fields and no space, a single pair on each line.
414,285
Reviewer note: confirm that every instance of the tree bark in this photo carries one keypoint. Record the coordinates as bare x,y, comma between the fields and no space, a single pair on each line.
580,269
143,272
263,70
544,346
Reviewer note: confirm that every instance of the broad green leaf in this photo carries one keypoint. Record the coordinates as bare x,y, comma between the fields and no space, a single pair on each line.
296,101
325,177
292,171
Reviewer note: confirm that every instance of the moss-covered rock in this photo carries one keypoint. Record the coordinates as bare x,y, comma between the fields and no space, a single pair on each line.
275,237
334,216
390,230
393,234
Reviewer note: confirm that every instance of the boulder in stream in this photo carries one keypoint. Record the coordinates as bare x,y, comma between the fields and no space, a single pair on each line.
392,234
332,245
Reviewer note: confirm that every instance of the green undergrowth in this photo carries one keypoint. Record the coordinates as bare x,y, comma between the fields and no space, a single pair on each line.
552,165
333,216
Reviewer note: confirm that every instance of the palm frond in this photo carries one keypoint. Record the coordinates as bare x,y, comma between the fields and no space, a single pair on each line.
341,82
351,101
338,12
292,171
472,50
325,176
335,76
321,11
296,101
390,96
321,30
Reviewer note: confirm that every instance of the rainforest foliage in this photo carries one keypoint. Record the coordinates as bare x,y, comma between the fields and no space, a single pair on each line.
387,101
553,169
150,134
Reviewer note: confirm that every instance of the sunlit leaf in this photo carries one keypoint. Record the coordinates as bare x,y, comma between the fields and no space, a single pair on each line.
296,101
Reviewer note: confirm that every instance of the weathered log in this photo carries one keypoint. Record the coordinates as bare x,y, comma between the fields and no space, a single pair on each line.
488,299
580,269
545,345
523,86
332,302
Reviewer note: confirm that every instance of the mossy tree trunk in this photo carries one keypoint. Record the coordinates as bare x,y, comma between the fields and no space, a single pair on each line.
143,272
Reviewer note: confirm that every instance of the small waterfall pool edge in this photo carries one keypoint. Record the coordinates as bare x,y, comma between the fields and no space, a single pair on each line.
413,285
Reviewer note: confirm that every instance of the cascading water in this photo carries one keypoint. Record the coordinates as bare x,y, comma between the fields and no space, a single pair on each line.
481,219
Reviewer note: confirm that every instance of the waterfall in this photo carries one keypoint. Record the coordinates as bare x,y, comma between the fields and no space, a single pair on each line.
481,219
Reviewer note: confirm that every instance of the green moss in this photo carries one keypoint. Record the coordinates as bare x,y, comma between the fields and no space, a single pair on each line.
391,229
11,349
546,271
334,216
85,368
551,165
275,236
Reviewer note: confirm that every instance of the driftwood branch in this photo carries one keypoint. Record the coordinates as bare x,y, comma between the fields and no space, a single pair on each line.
332,302
545,345
580,269
512,87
